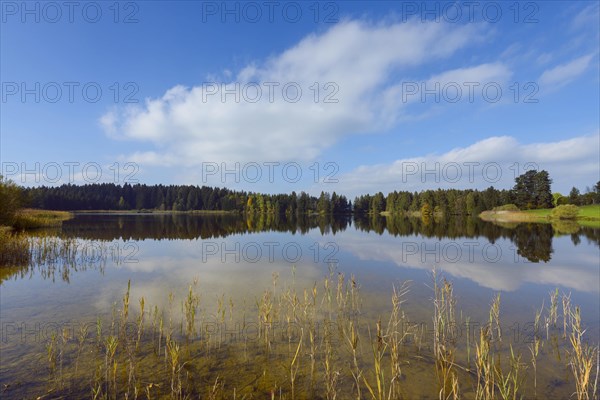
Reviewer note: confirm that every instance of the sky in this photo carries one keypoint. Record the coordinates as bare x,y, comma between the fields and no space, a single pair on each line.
278,96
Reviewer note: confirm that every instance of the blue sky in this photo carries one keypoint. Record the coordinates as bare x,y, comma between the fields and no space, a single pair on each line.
394,95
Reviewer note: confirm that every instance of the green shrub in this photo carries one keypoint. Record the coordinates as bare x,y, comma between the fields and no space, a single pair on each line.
10,201
567,211
506,207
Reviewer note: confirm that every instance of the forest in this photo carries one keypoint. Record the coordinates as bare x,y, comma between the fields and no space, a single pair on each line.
532,190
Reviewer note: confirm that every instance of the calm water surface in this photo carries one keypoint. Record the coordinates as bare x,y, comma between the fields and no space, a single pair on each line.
234,260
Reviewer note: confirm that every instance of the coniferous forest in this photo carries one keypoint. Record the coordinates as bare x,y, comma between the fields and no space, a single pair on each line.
532,190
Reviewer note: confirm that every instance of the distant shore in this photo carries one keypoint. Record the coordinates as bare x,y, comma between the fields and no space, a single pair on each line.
199,212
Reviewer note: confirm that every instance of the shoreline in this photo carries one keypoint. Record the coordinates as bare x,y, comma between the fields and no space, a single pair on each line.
512,216
542,216
155,212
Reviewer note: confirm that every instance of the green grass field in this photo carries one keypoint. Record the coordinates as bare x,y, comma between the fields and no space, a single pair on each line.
591,211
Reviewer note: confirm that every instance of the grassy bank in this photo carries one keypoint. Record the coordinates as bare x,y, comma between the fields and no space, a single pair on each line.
587,216
14,244
33,219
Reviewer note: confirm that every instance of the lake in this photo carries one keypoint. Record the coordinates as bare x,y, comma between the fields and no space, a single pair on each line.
269,306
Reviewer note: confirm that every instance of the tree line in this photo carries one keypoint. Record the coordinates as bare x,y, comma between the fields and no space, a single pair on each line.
590,196
109,196
532,190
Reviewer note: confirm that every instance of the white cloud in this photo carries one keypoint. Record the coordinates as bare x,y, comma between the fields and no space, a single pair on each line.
460,258
587,18
481,73
569,162
563,74
457,85
544,58
187,126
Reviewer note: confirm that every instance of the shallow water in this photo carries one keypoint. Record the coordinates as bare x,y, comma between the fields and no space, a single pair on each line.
234,260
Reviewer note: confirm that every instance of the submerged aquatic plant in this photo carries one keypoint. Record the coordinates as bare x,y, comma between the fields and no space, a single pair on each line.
312,343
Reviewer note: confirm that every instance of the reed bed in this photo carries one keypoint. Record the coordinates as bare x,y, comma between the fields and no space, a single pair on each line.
34,219
53,257
14,249
316,343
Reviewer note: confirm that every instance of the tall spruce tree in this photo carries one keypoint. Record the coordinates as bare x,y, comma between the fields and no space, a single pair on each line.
532,190
543,192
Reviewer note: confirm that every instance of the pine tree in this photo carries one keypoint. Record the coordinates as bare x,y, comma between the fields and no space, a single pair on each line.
525,190
574,196
378,203
543,192
471,203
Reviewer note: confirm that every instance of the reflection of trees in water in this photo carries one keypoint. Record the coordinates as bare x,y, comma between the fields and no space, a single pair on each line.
563,226
534,241
450,228
591,234
186,226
